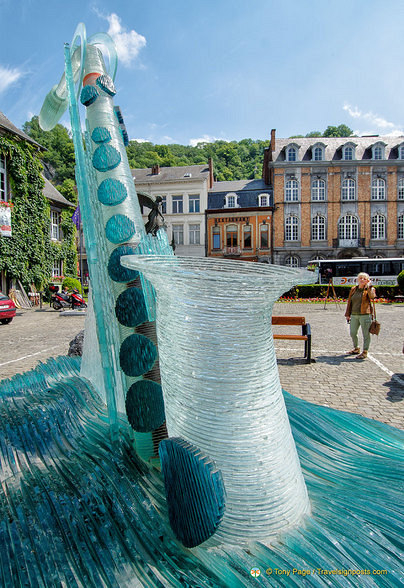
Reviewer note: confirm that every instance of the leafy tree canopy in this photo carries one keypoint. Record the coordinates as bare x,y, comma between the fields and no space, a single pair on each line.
330,131
59,157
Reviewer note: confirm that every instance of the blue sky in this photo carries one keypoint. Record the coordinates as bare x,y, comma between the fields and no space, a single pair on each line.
219,69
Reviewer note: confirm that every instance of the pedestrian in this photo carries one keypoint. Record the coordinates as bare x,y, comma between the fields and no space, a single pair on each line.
359,313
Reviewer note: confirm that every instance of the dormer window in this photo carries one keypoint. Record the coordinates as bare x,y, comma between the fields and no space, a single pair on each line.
378,151
401,151
291,153
317,152
348,152
263,200
231,200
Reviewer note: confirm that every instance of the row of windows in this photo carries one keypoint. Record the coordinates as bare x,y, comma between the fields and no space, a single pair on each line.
348,189
177,204
231,200
348,152
232,240
194,234
348,227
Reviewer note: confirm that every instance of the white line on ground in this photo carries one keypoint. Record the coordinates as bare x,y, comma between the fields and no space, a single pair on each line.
27,356
385,369
370,356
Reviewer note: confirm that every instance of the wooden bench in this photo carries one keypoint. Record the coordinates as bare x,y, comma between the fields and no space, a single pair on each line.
295,321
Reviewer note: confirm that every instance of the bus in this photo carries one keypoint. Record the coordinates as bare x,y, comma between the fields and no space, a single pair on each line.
382,271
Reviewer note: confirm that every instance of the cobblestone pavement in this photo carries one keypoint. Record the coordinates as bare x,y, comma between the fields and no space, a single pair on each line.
33,336
373,387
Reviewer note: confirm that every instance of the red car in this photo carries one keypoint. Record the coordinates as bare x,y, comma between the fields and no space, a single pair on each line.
7,309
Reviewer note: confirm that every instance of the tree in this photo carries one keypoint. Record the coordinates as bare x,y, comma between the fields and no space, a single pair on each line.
340,131
59,159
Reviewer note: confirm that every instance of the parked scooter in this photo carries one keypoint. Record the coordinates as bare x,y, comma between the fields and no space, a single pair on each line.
77,300
72,300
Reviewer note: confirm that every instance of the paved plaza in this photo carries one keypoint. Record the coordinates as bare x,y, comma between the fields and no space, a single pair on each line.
373,387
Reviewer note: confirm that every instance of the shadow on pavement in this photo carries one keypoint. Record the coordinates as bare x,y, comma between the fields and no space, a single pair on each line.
396,392
335,359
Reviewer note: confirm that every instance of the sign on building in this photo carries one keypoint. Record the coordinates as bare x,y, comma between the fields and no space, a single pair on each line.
5,219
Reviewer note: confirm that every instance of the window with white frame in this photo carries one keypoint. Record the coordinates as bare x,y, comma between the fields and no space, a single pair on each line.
378,189
163,205
318,225
401,151
194,203
55,225
247,241
378,227
292,261
291,153
378,151
348,189
292,191
318,153
263,200
291,228
264,236
400,227
400,189
178,234
348,153
178,205
194,234
231,200
3,179
57,269
216,238
318,189
348,227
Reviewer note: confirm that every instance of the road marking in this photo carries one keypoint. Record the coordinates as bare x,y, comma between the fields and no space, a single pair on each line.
27,356
370,356
385,369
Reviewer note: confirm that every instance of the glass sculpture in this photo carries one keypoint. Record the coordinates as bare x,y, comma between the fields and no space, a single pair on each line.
221,386
256,487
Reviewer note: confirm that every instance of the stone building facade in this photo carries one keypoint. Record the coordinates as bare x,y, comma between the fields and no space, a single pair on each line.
184,193
336,197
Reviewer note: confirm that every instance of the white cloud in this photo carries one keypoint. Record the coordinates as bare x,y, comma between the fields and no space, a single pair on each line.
128,44
204,139
374,120
8,77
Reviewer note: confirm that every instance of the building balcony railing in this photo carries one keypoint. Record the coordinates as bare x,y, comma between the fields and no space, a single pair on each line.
346,243
231,251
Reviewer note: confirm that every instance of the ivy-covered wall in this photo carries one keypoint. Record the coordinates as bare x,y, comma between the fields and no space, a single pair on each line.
29,254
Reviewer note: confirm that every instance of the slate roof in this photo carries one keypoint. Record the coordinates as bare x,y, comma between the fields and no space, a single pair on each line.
51,193
171,174
247,193
8,126
333,147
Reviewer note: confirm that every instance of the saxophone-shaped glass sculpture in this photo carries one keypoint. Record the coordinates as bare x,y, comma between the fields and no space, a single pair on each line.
221,386
113,226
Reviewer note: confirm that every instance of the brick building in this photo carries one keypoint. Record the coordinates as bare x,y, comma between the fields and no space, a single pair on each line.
336,197
239,220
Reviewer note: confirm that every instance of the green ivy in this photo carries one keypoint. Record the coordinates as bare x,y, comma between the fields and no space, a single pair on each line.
29,254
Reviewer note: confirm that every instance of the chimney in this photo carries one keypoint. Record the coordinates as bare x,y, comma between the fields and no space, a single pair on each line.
273,131
155,170
211,179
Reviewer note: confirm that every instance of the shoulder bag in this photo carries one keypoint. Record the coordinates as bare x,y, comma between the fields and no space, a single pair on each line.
374,328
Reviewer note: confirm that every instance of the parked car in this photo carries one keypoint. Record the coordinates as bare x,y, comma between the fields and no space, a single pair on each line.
7,309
